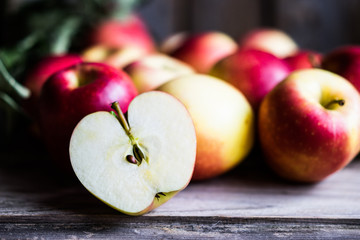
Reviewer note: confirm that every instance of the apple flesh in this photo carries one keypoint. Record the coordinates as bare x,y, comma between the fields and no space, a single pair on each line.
223,119
309,125
73,93
103,155
203,50
344,61
253,72
151,71
274,41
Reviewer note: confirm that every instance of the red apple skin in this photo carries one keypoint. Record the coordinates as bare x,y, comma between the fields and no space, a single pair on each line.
41,72
71,94
344,61
301,139
304,59
203,50
253,72
117,33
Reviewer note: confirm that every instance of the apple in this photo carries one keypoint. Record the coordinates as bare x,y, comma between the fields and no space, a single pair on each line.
223,119
309,125
73,93
203,50
37,76
304,59
274,41
173,42
138,163
151,71
345,61
253,72
119,33
116,57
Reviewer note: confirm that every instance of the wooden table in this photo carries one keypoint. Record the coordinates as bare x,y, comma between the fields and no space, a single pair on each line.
248,203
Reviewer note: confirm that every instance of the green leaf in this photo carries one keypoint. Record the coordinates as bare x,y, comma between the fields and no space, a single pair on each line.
64,35
9,85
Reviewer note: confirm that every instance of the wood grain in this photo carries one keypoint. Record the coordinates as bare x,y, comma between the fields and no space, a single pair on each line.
249,202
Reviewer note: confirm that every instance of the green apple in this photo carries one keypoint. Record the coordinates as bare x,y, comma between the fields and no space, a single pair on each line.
138,163
223,119
309,125
151,71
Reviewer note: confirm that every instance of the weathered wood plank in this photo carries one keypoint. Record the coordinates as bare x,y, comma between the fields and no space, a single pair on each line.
119,226
250,190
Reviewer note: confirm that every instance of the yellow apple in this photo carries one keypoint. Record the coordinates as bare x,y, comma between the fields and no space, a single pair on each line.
270,40
153,70
116,57
223,119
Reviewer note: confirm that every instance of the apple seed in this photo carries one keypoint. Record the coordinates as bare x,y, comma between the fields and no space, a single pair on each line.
138,152
131,159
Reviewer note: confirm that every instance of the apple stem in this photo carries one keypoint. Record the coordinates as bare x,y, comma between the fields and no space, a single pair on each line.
340,102
121,117
137,151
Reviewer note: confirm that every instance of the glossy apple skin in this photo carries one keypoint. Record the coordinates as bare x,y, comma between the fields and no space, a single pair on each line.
303,140
41,72
270,40
344,61
116,33
71,94
253,72
203,50
304,59
223,120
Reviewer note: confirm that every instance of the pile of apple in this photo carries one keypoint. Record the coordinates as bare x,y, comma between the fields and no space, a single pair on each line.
136,122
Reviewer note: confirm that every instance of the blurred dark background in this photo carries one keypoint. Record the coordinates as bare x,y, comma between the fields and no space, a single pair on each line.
314,24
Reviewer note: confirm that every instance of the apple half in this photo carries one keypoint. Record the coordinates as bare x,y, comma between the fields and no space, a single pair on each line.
136,164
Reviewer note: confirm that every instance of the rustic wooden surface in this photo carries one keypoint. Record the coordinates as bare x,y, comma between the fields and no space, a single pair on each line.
36,202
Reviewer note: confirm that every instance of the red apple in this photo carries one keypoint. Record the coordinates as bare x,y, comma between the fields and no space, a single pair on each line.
309,125
203,50
344,61
274,41
253,72
41,72
304,59
117,33
71,94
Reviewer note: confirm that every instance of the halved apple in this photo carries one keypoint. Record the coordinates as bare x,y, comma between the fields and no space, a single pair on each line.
136,164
